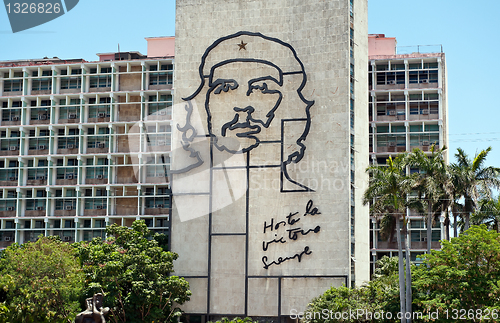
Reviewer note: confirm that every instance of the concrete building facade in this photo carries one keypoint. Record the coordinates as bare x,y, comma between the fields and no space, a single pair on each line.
407,109
84,145
270,144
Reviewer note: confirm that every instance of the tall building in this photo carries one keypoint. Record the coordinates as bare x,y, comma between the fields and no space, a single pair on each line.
85,144
407,109
271,125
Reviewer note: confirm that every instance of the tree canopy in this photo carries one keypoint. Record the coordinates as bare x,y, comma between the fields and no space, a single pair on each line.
463,275
133,273
40,282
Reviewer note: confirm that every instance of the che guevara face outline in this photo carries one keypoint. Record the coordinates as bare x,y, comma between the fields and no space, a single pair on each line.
206,70
258,96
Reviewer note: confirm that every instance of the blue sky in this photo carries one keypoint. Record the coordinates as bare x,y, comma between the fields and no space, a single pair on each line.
468,32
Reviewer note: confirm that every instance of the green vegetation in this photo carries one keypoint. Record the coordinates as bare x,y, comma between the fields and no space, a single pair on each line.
379,295
388,195
460,283
133,273
48,281
40,282
464,274
462,189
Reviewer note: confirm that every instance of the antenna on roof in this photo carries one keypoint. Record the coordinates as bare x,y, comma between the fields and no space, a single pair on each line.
118,47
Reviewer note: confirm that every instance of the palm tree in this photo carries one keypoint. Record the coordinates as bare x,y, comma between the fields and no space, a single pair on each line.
387,192
488,212
432,184
472,180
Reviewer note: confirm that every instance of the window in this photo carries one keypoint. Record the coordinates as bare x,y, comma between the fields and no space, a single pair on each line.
382,67
9,173
88,235
100,81
95,203
158,139
161,78
37,172
431,96
67,142
382,129
38,143
66,203
41,84
163,106
11,114
39,114
99,111
8,205
98,141
13,85
71,83
97,172
431,127
161,200
38,203
67,172
9,144
157,171
416,128
69,112
398,129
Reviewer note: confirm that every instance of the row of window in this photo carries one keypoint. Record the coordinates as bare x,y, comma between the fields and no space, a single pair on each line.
411,128
77,101
101,81
415,140
78,71
70,224
400,97
401,66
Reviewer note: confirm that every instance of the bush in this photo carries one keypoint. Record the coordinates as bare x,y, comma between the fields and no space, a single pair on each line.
41,282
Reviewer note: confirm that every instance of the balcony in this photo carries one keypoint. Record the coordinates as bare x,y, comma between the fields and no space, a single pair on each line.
67,181
10,150
68,210
68,151
7,239
99,148
42,118
96,211
38,150
37,181
391,149
38,211
424,116
10,181
98,179
11,120
157,210
8,213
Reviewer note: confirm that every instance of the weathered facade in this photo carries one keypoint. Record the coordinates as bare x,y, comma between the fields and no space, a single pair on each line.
408,109
84,145
269,152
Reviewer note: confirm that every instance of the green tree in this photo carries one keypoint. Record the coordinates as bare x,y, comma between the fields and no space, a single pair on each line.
133,273
432,184
380,295
463,275
488,212
41,282
387,193
472,180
